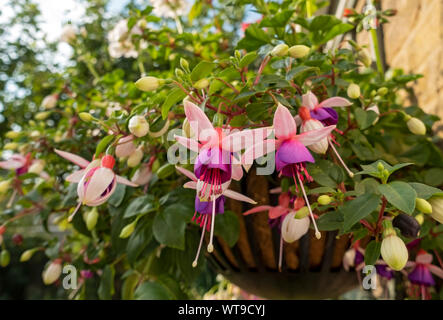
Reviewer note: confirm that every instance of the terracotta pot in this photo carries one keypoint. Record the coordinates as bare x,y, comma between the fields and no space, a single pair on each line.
312,269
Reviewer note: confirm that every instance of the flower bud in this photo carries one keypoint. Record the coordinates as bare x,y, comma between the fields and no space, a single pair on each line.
179,73
40,116
12,134
2,229
143,175
91,219
301,213
382,91
280,50
52,272
128,230
50,101
380,167
408,225
321,146
299,51
393,249
184,64
364,56
148,83
324,200
10,146
437,209
5,258
125,147
353,91
420,218
293,229
37,166
423,206
416,126
135,158
85,116
17,239
27,255
4,186
201,84
138,126
34,134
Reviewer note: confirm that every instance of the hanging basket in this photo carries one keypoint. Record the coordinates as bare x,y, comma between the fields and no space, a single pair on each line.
311,268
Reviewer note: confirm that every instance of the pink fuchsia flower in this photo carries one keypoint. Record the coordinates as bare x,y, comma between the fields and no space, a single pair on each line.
216,147
320,147
292,153
324,111
208,209
96,180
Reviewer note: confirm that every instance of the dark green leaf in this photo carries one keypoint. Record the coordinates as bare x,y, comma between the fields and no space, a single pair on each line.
140,205
106,288
228,227
372,252
400,194
202,70
358,209
152,291
174,96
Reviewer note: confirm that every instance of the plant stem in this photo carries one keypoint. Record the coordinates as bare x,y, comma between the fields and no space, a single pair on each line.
377,53
308,8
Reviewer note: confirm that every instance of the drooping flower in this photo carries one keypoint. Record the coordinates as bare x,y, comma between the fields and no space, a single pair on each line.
120,40
96,180
292,154
170,8
209,208
393,249
314,116
422,270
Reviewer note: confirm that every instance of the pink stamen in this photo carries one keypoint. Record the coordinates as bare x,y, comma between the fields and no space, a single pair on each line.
350,173
194,263
210,245
75,211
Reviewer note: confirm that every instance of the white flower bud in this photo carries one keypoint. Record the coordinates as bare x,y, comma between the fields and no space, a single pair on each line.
437,208
365,57
353,91
312,124
293,229
143,175
135,158
138,126
299,51
394,252
416,126
349,259
52,272
148,83
50,101
125,146
280,50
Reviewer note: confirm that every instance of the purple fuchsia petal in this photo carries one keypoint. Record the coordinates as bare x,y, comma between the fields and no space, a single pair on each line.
328,116
421,275
205,207
214,158
384,271
291,152
359,257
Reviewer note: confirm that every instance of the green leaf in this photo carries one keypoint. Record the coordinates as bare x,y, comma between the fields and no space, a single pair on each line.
152,291
254,38
400,194
326,173
139,239
140,205
368,185
106,288
195,11
330,221
248,59
372,252
227,227
257,111
295,72
424,191
174,96
117,197
365,119
434,177
129,286
279,20
202,70
103,144
372,169
358,209
170,224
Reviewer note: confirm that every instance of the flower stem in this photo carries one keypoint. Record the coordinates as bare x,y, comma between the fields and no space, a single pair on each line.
377,53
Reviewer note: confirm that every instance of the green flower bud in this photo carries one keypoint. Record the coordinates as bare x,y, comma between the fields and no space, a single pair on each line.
382,91
201,84
5,258
394,252
420,218
85,116
437,208
128,230
280,50
364,56
423,206
12,134
184,64
299,51
353,91
301,213
148,83
27,255
91,219
416,126
380,167
4,186
324,200
10,146
179,73
40,116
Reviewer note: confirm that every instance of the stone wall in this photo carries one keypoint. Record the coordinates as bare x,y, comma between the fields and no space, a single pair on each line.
414,42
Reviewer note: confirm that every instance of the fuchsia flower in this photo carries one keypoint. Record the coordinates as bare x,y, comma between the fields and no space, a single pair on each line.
283,216
292,153
214,205
96,180
422,270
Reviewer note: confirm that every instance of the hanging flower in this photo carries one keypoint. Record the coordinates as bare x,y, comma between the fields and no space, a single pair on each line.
50,101
96,180
120,40
170,8
207,210
125,146
292,153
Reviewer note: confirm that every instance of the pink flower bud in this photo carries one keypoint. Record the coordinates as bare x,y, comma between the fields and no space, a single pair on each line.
52,272
125,146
